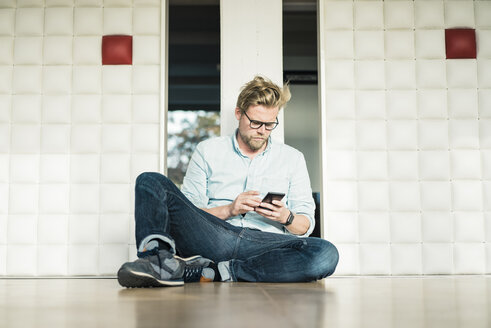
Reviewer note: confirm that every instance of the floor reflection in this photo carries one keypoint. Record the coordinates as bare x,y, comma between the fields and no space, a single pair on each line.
450,301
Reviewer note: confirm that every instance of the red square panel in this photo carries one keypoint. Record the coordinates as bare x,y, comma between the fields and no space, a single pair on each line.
117,50
460,43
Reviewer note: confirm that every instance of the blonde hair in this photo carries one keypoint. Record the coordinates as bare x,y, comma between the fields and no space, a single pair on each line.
262,91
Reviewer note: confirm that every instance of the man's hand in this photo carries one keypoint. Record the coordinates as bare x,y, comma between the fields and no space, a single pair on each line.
245,202
277,211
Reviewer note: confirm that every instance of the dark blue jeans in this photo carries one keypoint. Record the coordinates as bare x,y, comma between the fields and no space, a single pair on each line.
162,211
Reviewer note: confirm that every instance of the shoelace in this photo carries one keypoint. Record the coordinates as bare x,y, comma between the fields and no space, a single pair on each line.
192,273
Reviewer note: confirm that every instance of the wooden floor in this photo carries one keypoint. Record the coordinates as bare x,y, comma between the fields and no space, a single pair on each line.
455,301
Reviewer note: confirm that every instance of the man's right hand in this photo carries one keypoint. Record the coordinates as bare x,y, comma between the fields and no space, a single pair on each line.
244,203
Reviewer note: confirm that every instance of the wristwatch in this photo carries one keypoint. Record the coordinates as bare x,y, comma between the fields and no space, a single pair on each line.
290,219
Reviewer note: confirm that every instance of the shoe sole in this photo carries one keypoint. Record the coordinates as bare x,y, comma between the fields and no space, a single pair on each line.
134,279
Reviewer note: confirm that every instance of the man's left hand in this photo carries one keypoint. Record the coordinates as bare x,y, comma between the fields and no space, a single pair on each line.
277,211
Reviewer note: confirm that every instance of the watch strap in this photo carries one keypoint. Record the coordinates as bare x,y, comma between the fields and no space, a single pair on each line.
290,219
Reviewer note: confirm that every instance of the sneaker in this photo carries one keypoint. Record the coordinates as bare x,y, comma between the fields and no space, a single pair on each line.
198,269
161,269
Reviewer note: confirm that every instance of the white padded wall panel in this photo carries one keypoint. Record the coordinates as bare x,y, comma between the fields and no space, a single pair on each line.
484,73
406,259
116,138
88,21
146,21
373,196
52,260
54,109
28,50
146,79
405,227
24,168
339,44
430,44
368,15
116,109
74,134
370,104
86,108
83,260
3,229
402,135
115,168
5,165
7,20
116,79
22,260
462,74
482,12
86,50
369,44
430,73
485,133
53,198
338,14
57,50
53,229
29,3
58,21
84,198
418,202
483,37
88,3
371,135
434,165
6,50
401,104
372,165
399,44
464,134
459,14
117,21
27,79
26,108
54,168
432,103
145,108
117,3
87,80
462,103
59,3
403,165
399,15
29,21
57,80
146,50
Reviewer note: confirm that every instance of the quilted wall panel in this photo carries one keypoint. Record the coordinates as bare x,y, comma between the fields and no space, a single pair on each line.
74,134
406,137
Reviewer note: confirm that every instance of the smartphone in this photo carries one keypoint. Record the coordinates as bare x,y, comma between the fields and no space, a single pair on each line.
272,196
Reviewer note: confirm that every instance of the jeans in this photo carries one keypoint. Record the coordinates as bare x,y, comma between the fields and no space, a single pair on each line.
163,212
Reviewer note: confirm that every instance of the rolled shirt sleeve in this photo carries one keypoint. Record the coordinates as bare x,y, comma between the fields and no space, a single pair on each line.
195,182
300,200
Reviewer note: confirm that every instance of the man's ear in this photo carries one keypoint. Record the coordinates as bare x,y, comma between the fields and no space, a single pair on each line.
238,113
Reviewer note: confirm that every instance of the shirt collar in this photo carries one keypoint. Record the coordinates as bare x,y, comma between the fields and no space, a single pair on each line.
236,143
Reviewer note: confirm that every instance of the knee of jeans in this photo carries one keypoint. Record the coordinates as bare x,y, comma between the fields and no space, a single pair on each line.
324,260
150,178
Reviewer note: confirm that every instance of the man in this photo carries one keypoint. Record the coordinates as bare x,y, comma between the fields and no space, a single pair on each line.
219,214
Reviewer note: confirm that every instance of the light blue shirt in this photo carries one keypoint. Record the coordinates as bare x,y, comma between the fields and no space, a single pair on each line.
218,172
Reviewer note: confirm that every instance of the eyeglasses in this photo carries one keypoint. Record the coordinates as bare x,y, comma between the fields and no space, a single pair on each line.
257,124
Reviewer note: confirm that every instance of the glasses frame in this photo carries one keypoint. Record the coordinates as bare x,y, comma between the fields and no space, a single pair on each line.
261,123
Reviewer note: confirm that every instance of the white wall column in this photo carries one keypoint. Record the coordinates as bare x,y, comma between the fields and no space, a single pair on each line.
251,43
